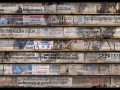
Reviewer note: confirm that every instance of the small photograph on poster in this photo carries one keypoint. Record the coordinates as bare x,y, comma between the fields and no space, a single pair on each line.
7,69
62,45
28,44
54,19
25,69
79,19
11,20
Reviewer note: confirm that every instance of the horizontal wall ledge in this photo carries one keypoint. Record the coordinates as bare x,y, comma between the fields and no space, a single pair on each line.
60,32
58,81
94,25
60,7
60,69
60,57
65,50
59,13
48,62
58,75
55,38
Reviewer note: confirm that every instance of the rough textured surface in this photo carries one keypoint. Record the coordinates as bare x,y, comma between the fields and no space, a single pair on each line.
59,81
44,20
59,69
23,68
58,8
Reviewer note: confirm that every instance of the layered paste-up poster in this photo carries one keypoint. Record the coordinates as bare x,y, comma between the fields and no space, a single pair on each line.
40,69
45,45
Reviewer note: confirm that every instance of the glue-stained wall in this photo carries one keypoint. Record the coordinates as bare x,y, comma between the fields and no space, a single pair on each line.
60,7
40,44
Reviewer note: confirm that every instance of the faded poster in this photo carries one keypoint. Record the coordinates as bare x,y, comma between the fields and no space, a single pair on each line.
13,32
105,69
115,69
8,7
45,45
91,69
34,20
62,45
21,57
24,69
86,7
54,32
40,69
75,7
27,8
102,45
1,57
79,19
62,57
44,81
115,81
64,8
91,57
36,32
117,43
27,44
8,44
116,33
106,7
7,68
50,8
54,19
70,32
79,45
11,19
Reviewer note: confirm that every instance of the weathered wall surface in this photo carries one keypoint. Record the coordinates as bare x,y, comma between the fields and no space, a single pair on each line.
55,81
67,20
60,44
51,45
59,57
60,7
60,32
59,69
